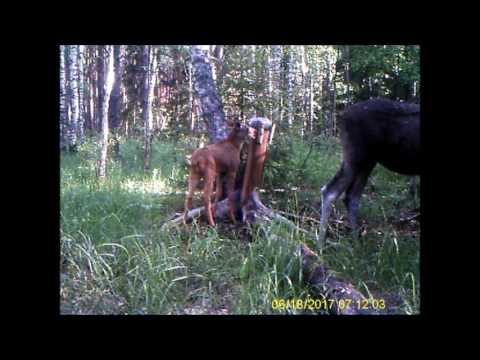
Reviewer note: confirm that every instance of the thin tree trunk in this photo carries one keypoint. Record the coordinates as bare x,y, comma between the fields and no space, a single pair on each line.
347,74
93,72
81,94
205,89
311,76
190,97
63,100
73,66
106,69
305,88
334,108
277,72
253,79
88,95
149,61
116,96
270,82
289,80
100,86
217,52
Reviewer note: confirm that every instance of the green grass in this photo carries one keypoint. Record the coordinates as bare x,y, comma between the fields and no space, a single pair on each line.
115,259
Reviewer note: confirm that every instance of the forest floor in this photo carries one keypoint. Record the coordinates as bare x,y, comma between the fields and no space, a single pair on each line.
116,259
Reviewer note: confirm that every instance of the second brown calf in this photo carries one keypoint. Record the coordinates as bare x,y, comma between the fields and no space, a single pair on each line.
213,161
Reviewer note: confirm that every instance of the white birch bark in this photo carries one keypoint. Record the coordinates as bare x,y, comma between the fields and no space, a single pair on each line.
106,52
63,99
73,66
81,93
150,62
290,84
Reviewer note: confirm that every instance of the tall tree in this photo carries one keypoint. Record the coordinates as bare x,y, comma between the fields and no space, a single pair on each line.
270,82
81,93
211,106
252,76
277,83
115,107
73,67
347,72
305,87
190,97
63,100
149,61
91,99
100,85
106,69
289,54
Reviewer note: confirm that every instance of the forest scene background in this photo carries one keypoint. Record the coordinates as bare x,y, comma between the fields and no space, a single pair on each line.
129,120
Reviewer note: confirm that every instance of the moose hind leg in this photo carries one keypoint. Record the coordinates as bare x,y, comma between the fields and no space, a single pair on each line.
354,193
330,194
231,195
207,196
192,185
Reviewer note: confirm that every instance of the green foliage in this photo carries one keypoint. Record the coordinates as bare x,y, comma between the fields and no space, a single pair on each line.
390,69
293,162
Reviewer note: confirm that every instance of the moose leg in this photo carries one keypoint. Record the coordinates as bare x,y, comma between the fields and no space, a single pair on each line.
231,195
207,195
218,191
193,181
330,193
354,193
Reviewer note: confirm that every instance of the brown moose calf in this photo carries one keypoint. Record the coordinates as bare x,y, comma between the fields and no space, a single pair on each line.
213,161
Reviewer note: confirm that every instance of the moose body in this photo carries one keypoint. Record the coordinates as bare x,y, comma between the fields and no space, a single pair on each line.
212,163
374,131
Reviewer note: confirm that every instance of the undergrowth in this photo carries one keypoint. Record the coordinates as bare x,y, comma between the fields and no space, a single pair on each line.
115,259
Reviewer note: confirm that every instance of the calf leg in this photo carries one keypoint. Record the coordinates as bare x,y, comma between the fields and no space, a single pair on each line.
231,195
193,181
218,191
207,195
354,193
330,193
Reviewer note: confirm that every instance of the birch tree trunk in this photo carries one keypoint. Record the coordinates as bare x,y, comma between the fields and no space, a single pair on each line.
270,84
347,74
277,83
312,69
289,80
81,94
106,69
93,98
63,100
253,79
149,63
190,97
100,86
211,106
73,66
305,88
217,53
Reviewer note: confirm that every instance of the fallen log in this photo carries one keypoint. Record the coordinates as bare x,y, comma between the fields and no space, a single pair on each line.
341,297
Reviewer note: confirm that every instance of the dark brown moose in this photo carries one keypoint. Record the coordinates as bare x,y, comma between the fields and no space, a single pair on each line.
374,131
